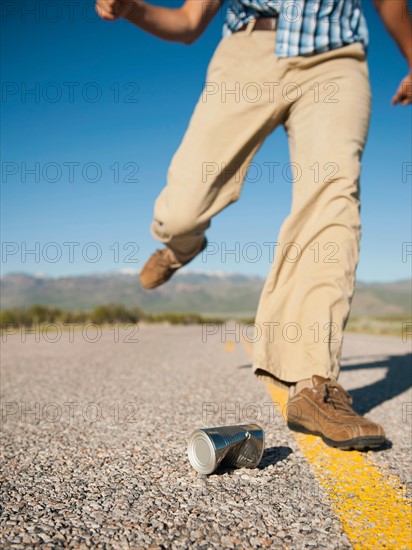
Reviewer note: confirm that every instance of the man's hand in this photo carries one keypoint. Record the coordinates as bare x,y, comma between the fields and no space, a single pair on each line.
113,9
404,92
397,19
183,24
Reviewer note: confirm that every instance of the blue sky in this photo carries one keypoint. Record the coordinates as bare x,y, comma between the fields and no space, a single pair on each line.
92,113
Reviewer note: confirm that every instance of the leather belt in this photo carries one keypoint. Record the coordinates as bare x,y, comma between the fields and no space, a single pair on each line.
263,24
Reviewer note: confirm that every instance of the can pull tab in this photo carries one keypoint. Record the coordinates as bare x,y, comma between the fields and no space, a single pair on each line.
247,435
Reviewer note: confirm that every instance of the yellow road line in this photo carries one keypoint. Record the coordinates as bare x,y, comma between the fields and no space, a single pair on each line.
370,504
230,346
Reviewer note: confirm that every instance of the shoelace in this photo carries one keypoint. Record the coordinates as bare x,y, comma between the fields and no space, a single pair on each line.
162,261
337,397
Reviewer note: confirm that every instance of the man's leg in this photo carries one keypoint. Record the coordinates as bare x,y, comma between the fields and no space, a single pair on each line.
306,300
238,108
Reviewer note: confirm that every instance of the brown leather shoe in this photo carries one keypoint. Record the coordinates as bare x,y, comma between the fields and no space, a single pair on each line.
161,266
324,410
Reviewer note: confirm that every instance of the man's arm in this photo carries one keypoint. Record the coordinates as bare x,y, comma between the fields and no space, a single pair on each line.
183,24
398,21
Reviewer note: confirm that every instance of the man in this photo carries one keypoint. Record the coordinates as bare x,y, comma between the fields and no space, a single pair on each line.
306,62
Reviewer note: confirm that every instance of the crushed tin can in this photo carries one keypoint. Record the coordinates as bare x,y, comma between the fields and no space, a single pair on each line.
229,446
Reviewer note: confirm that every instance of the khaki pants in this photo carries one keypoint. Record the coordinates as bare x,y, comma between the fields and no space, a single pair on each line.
323,101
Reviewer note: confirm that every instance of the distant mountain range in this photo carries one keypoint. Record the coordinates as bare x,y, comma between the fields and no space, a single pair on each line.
207,293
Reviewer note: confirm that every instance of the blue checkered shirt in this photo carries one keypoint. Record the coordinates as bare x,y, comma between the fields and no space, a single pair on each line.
305,27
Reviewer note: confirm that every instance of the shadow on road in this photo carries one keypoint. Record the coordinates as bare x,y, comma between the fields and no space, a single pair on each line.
272,455
398,379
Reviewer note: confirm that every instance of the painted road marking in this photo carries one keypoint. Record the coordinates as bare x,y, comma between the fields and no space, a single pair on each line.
230,346
371,504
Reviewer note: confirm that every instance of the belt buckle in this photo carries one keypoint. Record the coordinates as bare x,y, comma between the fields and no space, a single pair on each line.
274,23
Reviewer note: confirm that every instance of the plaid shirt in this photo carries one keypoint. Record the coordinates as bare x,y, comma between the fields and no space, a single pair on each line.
304,27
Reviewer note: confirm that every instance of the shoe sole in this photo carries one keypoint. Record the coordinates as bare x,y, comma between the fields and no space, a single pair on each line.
357,443
156,284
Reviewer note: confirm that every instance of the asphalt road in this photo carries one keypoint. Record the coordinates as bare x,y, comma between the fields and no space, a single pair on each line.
95,437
